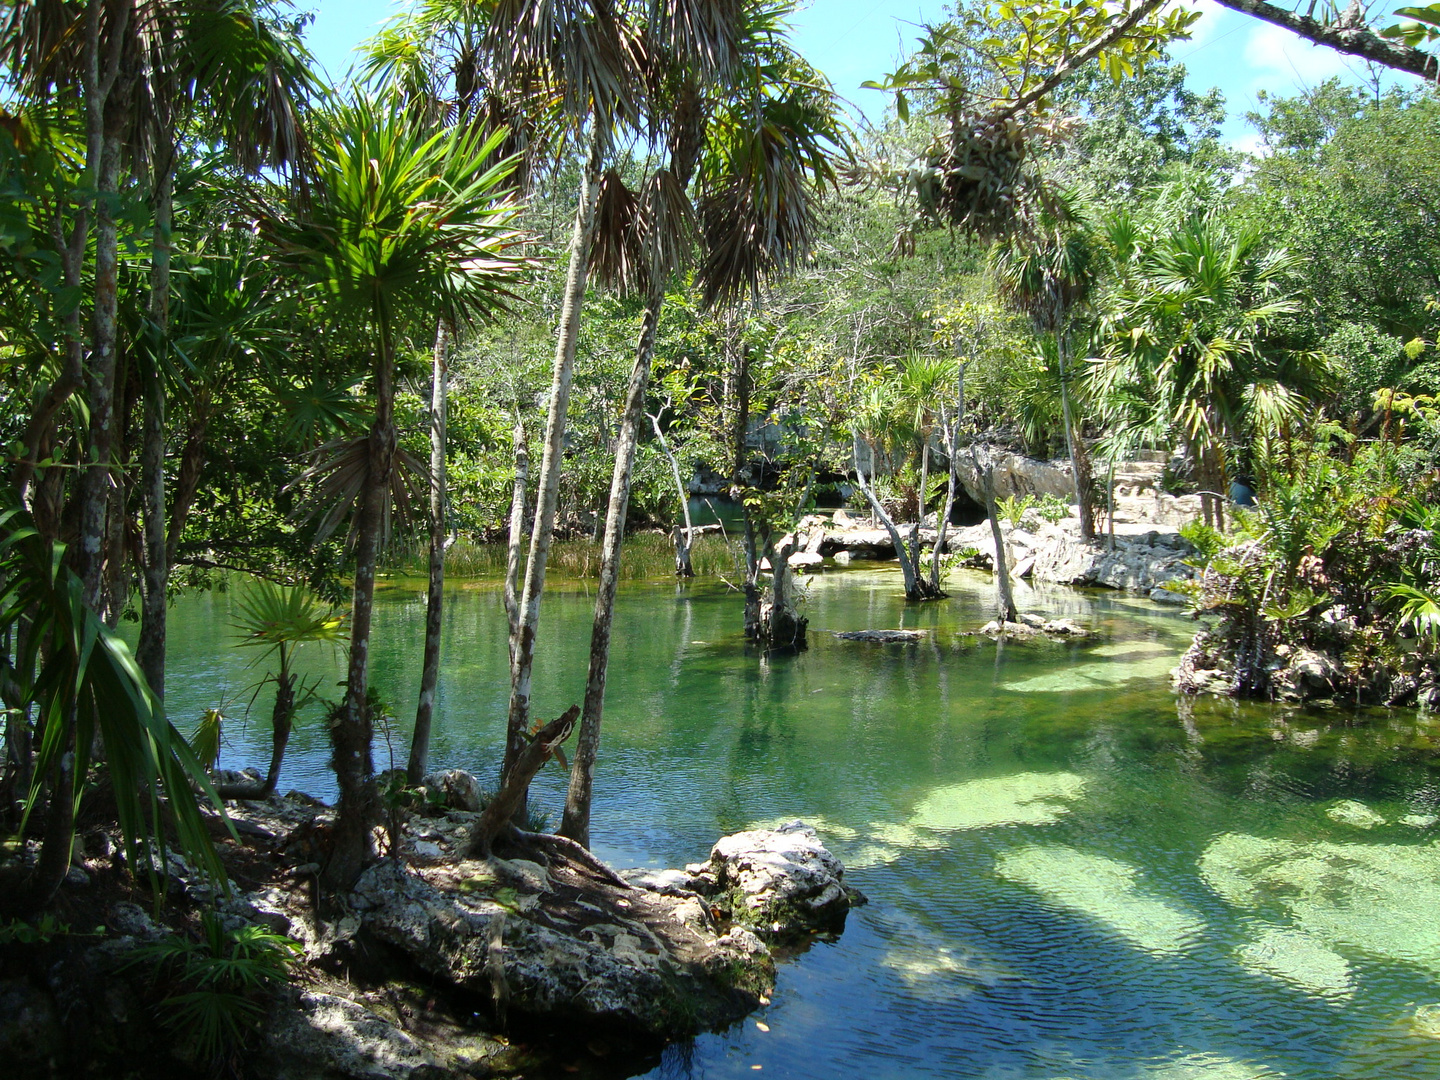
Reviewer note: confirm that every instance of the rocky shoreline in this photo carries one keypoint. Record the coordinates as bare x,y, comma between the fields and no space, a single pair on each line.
433,966
1140,558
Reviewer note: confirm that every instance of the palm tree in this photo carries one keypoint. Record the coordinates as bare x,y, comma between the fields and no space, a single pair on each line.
586,56
645,239
399,226
1190,351
139,69
280,620
766,164
1047,274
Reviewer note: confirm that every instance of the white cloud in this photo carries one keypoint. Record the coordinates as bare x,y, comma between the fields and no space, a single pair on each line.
1280,61
1250,144
1213,20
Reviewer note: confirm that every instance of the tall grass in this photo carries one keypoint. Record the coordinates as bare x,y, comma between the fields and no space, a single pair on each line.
646,556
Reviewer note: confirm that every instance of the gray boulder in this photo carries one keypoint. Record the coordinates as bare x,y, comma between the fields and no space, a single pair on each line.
782,883
458,790
556,941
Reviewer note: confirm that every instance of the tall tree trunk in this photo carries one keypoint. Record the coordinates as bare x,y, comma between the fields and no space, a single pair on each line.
739,430
684,538
150,651
920,507
1004,596
435,598
97,477
1079,483
350,735
40,429
576,821
551,462
513,554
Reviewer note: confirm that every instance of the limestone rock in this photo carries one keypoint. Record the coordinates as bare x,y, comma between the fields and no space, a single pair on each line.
1016,476
1354,813
553,942
458,789
333,1037
781,882
883,637
1304,674
995,628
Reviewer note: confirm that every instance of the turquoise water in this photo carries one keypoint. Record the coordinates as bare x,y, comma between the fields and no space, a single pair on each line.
1071,873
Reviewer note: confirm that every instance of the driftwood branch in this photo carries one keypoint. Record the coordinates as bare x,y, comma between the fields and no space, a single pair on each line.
1358,41
498,814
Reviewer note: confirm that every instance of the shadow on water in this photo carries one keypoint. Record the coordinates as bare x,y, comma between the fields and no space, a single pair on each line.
1072,873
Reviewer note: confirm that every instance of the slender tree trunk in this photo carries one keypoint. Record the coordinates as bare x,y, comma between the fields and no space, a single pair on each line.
187,476
942,521
1004,596
576,821
912,588
282,719
117,580
513,556
686,537
551,462
1110,498
39,431
350,735
740,428
435,599
1079,483
920,507
97,477
151,649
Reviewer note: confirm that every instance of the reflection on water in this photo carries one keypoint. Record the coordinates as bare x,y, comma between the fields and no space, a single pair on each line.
1072,873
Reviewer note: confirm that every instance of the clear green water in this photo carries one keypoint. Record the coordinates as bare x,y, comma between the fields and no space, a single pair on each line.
1071,873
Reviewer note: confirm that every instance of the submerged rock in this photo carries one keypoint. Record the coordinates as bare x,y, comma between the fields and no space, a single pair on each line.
883,637
782,883
1354,813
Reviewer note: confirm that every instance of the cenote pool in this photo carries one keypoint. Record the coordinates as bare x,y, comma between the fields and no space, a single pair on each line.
1071,873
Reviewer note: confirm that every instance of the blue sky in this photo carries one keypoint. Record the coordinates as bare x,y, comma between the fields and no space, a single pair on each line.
855,40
